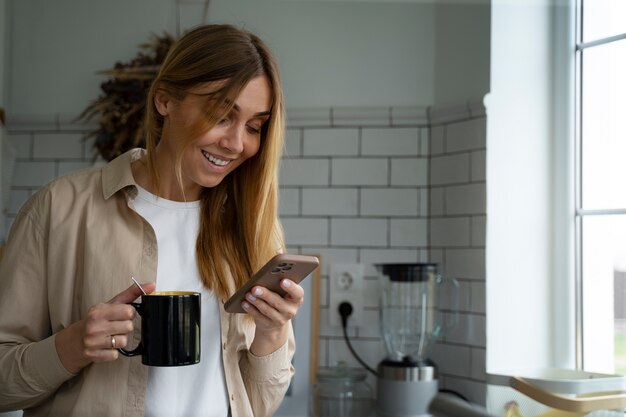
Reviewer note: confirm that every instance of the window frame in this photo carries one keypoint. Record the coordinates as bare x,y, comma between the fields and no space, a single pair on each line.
581,213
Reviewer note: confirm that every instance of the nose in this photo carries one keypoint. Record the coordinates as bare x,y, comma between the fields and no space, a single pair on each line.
233,138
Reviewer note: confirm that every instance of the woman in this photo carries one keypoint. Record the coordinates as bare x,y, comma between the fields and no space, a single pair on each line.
204,196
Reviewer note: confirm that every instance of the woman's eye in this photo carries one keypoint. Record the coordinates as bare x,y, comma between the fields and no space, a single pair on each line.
254,130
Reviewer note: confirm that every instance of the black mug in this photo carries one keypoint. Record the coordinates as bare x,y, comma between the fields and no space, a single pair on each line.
170,329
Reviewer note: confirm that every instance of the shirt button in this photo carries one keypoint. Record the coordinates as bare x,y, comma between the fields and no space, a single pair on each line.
224,346
232,397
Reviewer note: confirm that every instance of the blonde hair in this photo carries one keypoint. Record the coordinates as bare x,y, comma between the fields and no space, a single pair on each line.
239,227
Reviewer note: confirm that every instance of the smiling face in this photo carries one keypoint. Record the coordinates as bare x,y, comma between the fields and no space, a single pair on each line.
218,151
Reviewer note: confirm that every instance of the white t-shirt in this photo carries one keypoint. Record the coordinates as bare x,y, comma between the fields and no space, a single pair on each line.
191,390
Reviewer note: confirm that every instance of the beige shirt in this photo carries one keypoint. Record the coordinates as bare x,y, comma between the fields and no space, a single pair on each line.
74,244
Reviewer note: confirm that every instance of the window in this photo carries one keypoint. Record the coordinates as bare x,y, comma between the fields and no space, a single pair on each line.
601,183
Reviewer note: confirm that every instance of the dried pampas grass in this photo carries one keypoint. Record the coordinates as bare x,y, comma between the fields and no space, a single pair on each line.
120,108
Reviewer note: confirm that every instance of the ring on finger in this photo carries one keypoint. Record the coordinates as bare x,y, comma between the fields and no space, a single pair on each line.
113,343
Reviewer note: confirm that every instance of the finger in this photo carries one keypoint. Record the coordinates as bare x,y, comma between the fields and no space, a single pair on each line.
294,291
109,312
119,312
264,295
263,314
94,346
102,355
98,335
122,327
287,304
121,341
131,293
249,308
271,305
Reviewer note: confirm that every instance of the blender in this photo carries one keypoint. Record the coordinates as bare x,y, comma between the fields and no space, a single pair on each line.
410,323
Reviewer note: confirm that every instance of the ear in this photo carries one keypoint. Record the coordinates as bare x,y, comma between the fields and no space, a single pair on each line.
162,102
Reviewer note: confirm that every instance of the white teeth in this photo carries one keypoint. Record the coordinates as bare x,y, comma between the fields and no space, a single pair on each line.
214,160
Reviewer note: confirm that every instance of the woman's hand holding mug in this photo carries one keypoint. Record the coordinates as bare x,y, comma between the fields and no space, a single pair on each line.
97,337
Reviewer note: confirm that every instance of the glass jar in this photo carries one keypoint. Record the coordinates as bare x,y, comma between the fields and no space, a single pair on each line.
410,314
408,310
341,392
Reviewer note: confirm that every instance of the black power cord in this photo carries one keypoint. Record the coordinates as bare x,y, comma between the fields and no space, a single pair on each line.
345,311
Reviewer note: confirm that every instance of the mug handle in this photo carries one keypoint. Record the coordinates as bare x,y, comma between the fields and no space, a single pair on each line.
139,349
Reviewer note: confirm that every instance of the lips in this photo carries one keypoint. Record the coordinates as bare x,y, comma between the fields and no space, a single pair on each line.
215,160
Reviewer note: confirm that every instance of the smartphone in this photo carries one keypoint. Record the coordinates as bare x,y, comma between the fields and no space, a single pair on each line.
283,265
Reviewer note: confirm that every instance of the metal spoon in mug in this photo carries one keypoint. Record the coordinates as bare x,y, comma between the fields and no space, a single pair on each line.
137,284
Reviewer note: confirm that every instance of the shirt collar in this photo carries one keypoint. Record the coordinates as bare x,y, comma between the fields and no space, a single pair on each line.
117,174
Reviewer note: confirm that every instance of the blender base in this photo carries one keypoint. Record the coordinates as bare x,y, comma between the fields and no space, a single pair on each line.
405,398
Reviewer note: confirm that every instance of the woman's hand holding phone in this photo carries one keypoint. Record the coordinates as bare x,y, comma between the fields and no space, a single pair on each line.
272,313
272,297
282,266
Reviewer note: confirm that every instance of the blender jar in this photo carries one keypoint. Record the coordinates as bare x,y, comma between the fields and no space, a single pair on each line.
408,310
341,392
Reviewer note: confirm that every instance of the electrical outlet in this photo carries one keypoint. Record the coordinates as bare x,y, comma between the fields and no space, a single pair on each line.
346,284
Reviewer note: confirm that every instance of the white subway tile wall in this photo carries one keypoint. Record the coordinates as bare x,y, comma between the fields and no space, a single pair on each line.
341,141
457,242
402,192
362,185
330,201
384,141
359,172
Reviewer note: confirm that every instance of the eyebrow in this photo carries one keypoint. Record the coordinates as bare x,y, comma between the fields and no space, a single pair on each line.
238,109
